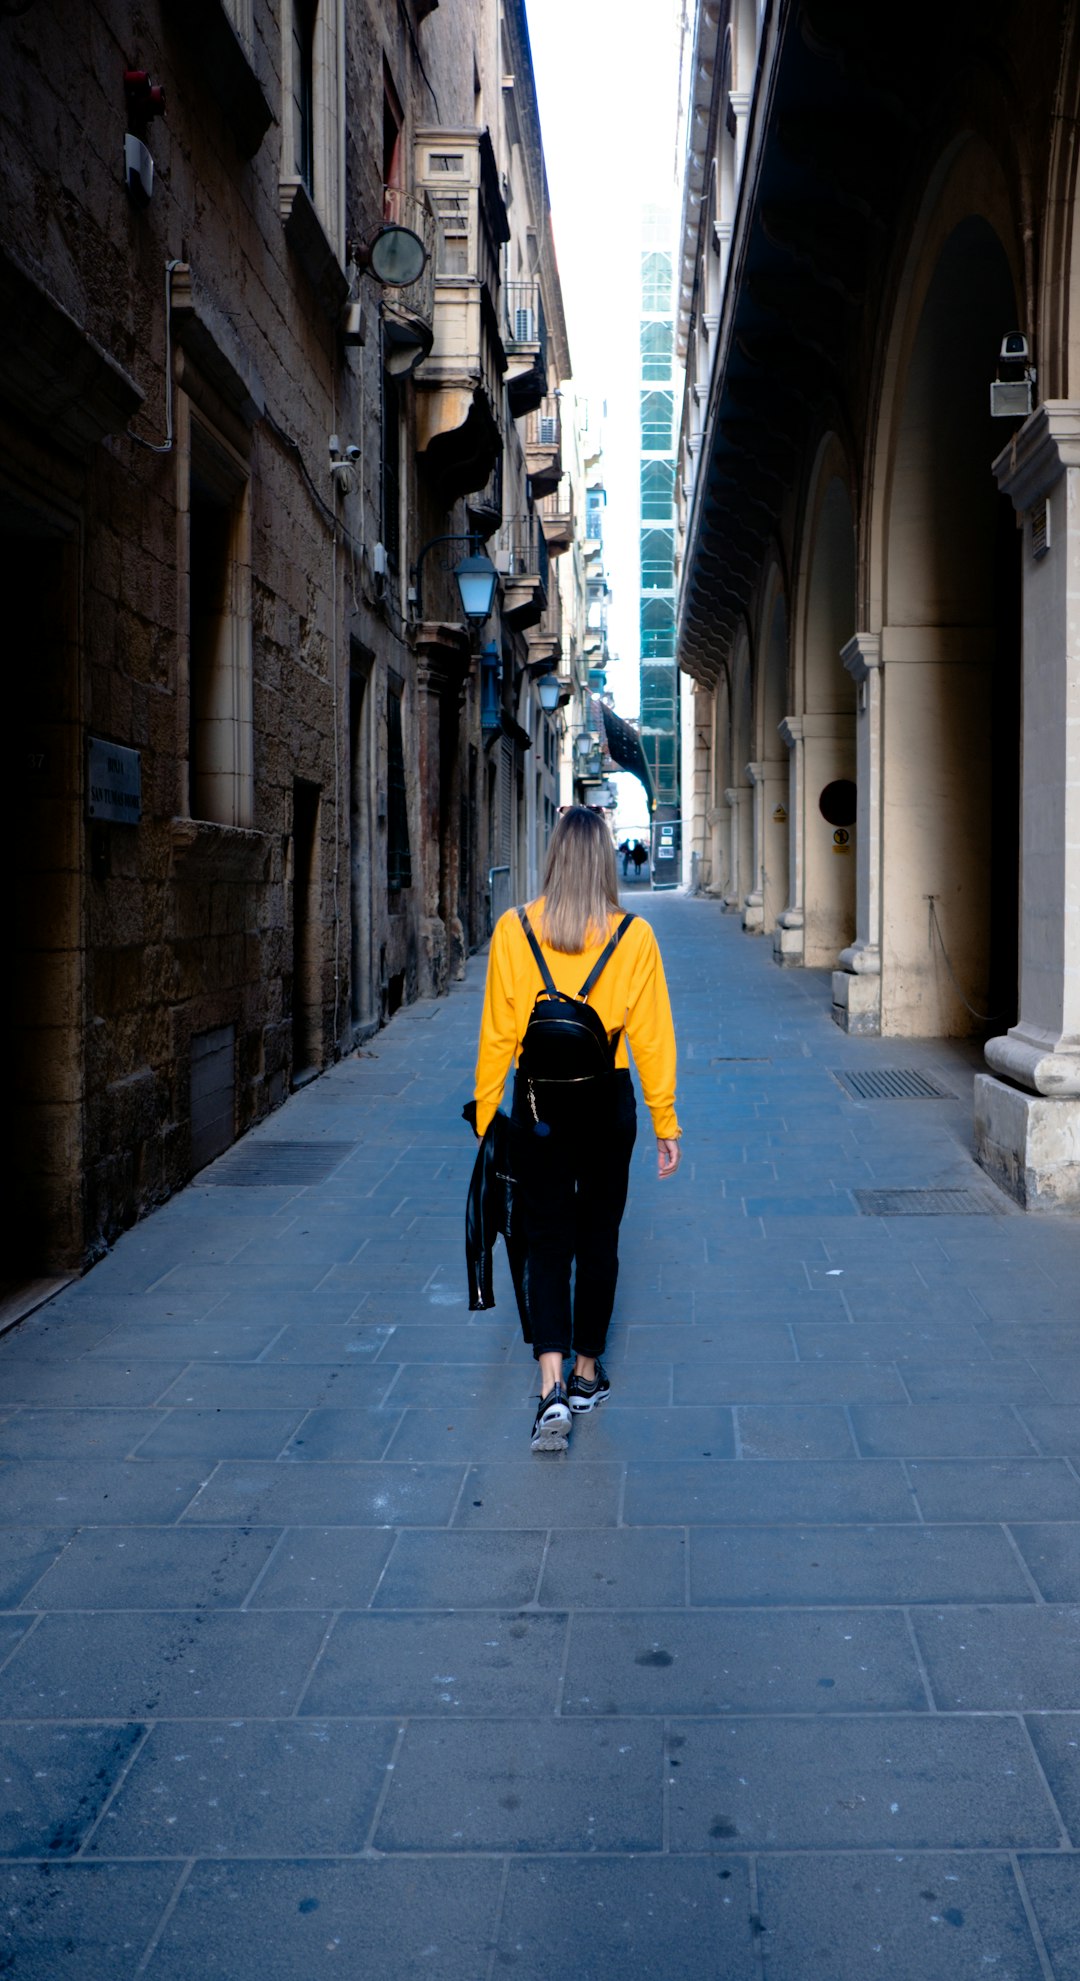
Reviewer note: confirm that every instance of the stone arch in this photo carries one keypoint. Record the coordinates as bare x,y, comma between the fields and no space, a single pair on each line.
820,729
719,814
944,588
768,767
738,789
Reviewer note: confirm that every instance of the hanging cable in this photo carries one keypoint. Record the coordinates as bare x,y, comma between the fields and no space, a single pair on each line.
984,1017
164,446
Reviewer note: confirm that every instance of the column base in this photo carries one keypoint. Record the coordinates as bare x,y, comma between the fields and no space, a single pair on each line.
856,1004
787,947
1029,1145
753,915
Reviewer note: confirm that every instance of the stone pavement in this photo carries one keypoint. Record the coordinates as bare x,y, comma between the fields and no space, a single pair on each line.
310,1669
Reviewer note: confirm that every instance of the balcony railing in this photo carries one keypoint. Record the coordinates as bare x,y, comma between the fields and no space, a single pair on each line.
524,314
525,339
556,513
522,548
522,558
543,428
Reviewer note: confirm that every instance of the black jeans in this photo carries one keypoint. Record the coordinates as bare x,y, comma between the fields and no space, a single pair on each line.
572,1185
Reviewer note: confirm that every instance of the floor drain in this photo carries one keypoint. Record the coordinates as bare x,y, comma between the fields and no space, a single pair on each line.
891,1083
928,1203
254,1164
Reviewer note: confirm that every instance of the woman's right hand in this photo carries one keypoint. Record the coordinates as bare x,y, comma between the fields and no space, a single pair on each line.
668,1154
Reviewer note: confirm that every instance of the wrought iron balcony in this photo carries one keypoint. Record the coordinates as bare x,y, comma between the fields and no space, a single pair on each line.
521,556
525,341
556,512
544,639
543,445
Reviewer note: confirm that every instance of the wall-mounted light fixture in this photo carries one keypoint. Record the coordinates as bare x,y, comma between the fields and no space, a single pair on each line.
548,691
476,579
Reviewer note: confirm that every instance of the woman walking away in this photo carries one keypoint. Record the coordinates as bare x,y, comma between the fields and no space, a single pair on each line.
569,981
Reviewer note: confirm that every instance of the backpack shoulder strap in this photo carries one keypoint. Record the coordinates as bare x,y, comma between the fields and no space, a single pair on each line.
549,981
604,959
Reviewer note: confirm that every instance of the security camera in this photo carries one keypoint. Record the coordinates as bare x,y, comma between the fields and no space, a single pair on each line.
352,453
1014,350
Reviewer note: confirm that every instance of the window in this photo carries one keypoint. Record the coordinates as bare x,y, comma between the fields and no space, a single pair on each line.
657,490
393,162
656,350
656,281
220,754
398,856
303,91
657,560
311,185
657,630
657,410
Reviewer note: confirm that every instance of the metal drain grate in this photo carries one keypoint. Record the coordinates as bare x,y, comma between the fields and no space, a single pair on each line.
891,1083
270,1162
928,1203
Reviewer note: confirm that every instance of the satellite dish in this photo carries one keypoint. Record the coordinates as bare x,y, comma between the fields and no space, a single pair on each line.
396,256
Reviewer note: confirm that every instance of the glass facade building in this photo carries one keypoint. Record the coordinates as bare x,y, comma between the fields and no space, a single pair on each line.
659,722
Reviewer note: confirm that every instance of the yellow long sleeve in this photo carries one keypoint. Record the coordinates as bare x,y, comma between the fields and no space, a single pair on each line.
632,995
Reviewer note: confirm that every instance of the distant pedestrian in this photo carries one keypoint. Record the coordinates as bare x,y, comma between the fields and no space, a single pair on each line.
639,857
572,1137
624,850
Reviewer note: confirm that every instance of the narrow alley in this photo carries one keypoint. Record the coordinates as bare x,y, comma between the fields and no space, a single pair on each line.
311,1669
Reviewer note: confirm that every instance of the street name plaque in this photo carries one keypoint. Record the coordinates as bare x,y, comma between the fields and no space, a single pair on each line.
113,782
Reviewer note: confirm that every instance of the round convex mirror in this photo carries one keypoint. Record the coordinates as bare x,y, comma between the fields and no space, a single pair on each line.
397,256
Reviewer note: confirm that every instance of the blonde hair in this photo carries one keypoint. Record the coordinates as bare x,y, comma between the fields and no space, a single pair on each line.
580,883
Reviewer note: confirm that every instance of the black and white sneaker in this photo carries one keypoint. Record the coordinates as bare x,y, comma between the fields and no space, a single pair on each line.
585,1396
551,1431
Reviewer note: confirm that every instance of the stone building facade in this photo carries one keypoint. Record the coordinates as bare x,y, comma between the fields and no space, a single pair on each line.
269,780
877,547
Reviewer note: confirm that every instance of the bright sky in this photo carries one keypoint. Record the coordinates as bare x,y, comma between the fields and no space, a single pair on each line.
607,79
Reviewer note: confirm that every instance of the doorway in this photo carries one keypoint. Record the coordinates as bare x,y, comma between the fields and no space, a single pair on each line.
306,997
42,984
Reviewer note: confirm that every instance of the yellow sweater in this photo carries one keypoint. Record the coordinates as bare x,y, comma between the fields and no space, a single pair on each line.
632,993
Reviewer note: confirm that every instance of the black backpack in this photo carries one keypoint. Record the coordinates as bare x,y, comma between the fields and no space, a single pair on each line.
565,1044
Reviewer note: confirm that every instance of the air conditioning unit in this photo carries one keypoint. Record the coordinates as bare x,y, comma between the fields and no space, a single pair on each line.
525,326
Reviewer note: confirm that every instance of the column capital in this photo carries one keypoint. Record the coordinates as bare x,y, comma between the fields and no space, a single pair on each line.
862,655
736,791
756,773
791,730
1039,452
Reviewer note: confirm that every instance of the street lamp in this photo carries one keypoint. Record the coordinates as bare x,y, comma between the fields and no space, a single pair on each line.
548,693
476,579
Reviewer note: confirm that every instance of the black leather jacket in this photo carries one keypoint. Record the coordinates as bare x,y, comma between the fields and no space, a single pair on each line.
489,1209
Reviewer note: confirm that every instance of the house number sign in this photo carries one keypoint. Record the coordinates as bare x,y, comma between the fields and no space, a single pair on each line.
113,782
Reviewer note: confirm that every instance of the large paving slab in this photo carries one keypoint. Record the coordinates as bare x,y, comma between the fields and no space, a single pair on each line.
307,1667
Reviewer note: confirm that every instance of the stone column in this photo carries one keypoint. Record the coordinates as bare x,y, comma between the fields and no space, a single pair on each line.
1027,1121
718,820
740,110
754,904
788,937
737,795
856,986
